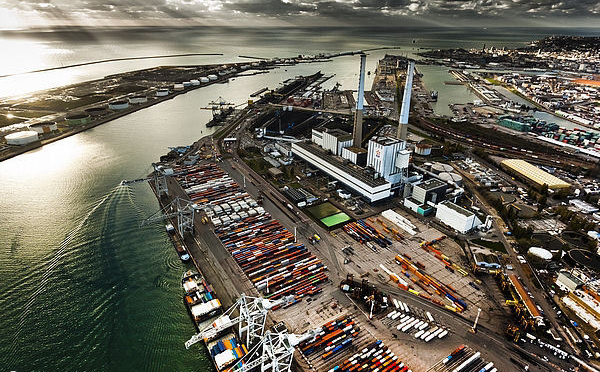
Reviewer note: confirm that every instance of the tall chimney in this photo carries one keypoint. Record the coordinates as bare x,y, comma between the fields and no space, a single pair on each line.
404,111
358,118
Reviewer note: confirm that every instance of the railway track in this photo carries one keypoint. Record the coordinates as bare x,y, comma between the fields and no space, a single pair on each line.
539,157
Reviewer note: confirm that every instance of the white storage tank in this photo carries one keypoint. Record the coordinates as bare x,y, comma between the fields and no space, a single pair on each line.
204,79
438,168
450,177
21,138
423,149
540,254
162,92
138,99
195,82
118,105
43,127
212,77
178,87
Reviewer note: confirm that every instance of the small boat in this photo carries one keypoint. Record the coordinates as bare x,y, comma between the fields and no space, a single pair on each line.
178,243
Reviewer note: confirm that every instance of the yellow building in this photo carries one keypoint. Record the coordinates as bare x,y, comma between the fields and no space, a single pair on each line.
534,174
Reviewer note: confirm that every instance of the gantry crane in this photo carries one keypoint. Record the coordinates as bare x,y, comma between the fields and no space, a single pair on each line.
250,321
182,209
274,352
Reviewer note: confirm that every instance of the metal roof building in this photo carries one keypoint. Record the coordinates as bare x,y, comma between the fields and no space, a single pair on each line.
534,174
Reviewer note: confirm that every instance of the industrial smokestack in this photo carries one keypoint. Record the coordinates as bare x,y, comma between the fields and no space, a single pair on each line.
403,122
357,134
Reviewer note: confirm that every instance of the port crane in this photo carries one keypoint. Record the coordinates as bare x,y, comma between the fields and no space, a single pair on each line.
159,176
251,320
274,352
183,209
220,108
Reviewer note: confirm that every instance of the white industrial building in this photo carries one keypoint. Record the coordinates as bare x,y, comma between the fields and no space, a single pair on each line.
389,158
456,217
333,140
356,155
583,207
353,177
568,282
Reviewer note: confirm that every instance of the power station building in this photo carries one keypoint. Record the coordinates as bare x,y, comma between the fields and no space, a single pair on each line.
389,158
333,140
353,177
383,166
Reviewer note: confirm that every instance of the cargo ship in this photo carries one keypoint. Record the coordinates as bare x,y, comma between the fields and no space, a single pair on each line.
226,351
199,298
178,243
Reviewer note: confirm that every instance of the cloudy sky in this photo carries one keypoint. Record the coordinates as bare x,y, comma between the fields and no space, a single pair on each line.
32,13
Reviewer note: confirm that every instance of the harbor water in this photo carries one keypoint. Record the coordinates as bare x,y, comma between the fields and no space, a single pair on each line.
83,286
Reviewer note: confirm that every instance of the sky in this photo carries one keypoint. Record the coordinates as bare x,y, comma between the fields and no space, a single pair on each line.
99,13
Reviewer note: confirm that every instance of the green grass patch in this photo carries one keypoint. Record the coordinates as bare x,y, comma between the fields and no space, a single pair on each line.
335,219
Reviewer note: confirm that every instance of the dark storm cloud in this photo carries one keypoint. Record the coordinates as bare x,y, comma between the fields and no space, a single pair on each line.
269,7
380,12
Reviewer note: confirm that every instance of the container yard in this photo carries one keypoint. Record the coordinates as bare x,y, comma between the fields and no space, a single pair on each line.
406,261
261,246
343,346
415,322
464,359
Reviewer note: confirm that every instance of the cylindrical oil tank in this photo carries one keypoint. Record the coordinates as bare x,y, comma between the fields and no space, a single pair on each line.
21,138
539,255
204,79
138,99
178,87
43,127
195,82
162,92
423,149
96,111
212,77
79,118
118,105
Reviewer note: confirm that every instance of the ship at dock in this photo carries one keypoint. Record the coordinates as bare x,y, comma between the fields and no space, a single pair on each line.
199,298
177,243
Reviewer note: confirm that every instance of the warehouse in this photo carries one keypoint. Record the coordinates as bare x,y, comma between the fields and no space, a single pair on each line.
534,174
456,217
